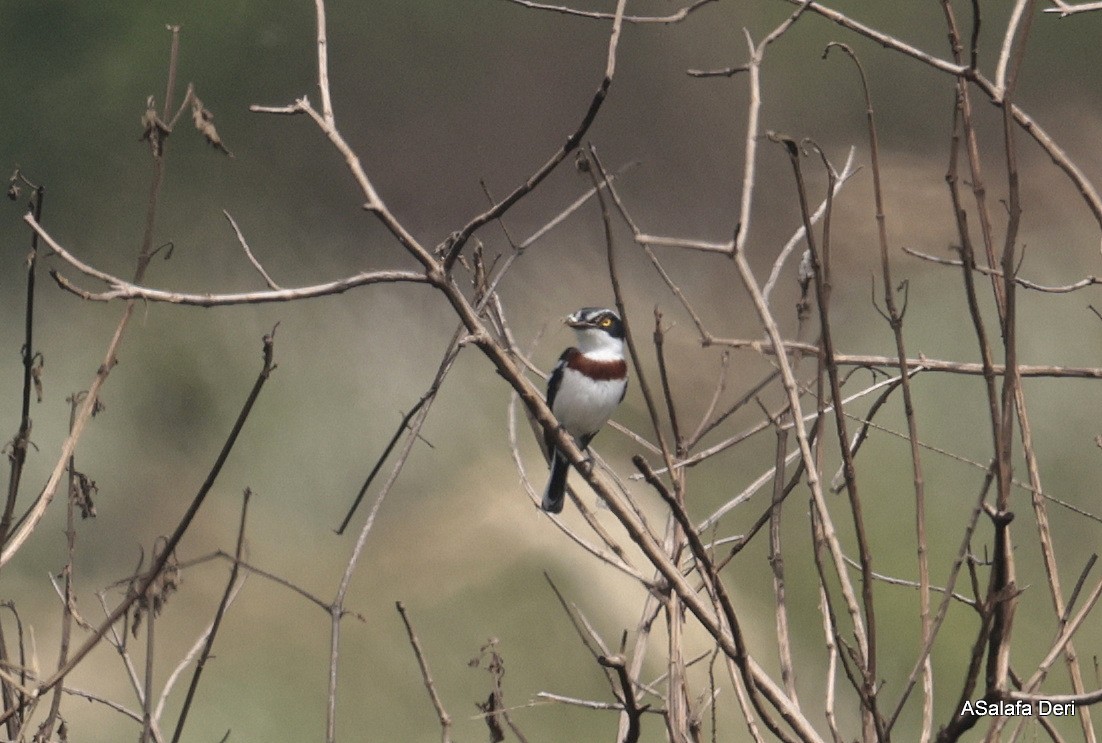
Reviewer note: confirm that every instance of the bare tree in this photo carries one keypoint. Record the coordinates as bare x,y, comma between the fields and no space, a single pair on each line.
701,518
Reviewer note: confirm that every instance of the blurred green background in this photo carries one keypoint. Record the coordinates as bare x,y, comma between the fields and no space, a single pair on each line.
434,96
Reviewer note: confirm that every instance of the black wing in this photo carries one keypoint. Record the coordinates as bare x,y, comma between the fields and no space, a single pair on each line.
553,383
555,380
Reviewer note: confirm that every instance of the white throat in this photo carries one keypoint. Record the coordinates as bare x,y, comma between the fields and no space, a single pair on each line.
599,345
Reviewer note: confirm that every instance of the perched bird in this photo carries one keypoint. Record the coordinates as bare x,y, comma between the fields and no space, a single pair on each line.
586,386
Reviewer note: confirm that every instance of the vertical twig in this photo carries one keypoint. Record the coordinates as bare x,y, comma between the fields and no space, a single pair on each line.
599,176
753,111
647,616
45,730
1011,381
19,444
150,647
26,702
829,631
707,570
12,545
821,268
664,375
963,557
494,706
895,321
776,562
323,64
1038,502
18,454
677,709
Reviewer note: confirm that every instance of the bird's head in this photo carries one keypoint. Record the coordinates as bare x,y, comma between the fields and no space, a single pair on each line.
600,331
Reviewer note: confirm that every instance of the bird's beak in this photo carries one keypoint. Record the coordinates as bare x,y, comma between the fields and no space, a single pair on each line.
574,322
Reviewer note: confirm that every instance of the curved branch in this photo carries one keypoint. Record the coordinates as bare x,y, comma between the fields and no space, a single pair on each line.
121,289
126,290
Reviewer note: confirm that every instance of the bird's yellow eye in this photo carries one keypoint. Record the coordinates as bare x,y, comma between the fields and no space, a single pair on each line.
606,321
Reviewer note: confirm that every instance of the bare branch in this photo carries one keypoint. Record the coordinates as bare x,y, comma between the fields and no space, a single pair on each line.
455,244
249,254
838,181
634,712
1024,283
426,676
1055,152
675,17
927,364
374,202
323,64
1065,9
208,642
753,113
170,544
14,541
122,289
885,40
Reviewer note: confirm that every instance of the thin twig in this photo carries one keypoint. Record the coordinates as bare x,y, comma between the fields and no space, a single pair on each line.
675,17
753,119
839,180
595,168
373,202
456,243
1024,283
336,607
45,730
922,362
170,544
943,608
18,446
776,562
15,541
1082,183
586,633
895,321
741,656
191,655
820,263
249,253
426,676
814,481
664,376
220,612
129,291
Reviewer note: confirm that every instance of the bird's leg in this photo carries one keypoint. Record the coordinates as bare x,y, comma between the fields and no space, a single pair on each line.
588,462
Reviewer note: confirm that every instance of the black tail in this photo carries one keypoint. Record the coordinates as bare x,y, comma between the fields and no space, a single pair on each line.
555,493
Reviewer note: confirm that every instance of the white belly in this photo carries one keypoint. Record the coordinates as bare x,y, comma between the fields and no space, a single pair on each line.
583,405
